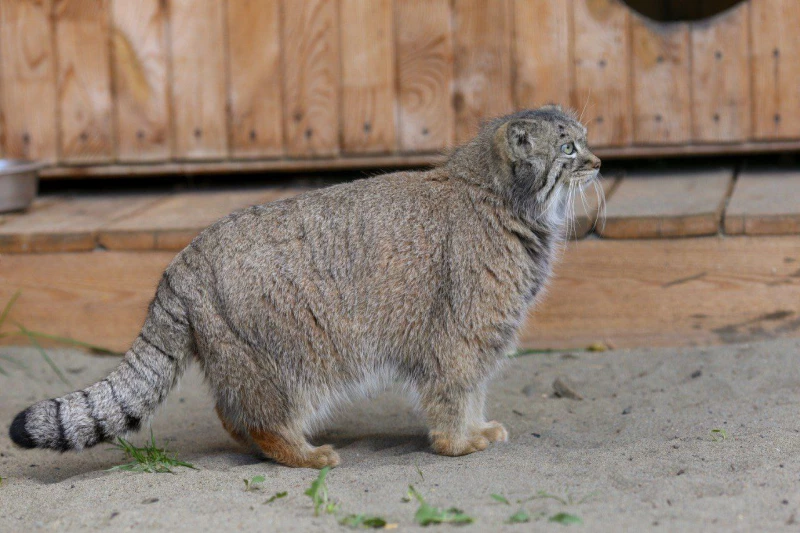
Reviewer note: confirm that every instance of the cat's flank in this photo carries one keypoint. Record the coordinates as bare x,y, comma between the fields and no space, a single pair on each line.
290,308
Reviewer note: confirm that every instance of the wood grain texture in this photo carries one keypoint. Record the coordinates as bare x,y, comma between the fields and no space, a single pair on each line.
765,202
368,77
542,53
721,78
602,70
84,80
139,40
425,74
198,78
311,77
171,223
27,71
670,292
667,204
254,57
90,296
775,68
661,82
66,225
482,32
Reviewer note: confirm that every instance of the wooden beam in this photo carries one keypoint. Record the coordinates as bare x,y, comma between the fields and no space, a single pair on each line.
765,203
677,292
667,204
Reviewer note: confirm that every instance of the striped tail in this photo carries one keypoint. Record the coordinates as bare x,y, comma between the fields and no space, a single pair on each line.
127,397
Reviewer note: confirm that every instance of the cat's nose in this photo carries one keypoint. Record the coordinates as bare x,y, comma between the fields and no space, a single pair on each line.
596,163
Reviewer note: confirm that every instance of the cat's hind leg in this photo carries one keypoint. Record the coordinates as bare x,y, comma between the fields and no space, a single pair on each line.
236,434
289,447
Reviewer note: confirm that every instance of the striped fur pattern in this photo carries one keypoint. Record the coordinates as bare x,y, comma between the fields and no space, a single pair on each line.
294,307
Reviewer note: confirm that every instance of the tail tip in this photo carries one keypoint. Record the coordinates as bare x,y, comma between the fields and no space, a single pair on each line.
19,433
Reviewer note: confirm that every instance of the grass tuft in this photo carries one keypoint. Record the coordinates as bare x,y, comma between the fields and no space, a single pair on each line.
428,514
253,483
149,458
318,492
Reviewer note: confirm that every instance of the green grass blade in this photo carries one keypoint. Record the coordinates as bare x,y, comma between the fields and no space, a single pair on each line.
46,357
73,342
7,308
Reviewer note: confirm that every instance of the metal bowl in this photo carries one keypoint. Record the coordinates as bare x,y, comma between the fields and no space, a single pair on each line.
19,180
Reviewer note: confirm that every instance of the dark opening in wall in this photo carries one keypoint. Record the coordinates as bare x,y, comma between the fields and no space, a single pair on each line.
675,10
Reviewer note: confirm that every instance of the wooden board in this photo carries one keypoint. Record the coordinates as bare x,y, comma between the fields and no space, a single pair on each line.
483,86
198,78
667,204
311,77
139,49
602,70
765,203
66,225
173,222
775,64
368,77
27,71
254,59
84,80
591,206
628,293
100,296
670,292
661,82
424,74
721,78
542,54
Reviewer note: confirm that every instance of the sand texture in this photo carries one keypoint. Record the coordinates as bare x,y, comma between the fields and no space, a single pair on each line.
638,449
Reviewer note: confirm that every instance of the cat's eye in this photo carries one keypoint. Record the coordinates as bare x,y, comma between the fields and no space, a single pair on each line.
568,148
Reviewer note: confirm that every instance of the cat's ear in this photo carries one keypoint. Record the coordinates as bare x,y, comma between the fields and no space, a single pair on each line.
552,107
520,138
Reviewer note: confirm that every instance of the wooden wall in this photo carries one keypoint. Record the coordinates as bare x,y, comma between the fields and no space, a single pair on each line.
99,87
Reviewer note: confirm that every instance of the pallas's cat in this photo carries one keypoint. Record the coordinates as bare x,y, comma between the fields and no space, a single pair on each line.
290,308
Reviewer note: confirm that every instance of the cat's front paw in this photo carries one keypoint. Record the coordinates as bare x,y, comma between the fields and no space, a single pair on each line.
444,444
494,431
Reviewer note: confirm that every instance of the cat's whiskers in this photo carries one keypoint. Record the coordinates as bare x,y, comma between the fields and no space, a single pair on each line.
601,204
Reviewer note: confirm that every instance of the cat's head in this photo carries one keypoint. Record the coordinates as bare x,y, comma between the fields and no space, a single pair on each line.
548,159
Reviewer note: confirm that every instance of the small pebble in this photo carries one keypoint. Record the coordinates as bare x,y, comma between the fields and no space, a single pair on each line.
564,388
627,410
696,374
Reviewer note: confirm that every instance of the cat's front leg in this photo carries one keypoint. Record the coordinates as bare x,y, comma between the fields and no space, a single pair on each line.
493,430
447,411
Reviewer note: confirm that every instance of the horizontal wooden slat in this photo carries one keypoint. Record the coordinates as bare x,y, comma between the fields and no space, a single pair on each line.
66,225
674,292
172,223
765,203
667,204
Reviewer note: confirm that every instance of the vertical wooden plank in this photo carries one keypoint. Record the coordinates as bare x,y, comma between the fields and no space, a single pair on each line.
84,80
138,36
28,88
482,37
425,74
255,78
721,78
602,70
368,76
542,53
775,63
311,77
661,82
198,78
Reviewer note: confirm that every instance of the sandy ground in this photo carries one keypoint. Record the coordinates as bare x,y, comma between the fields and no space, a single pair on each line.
638,449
